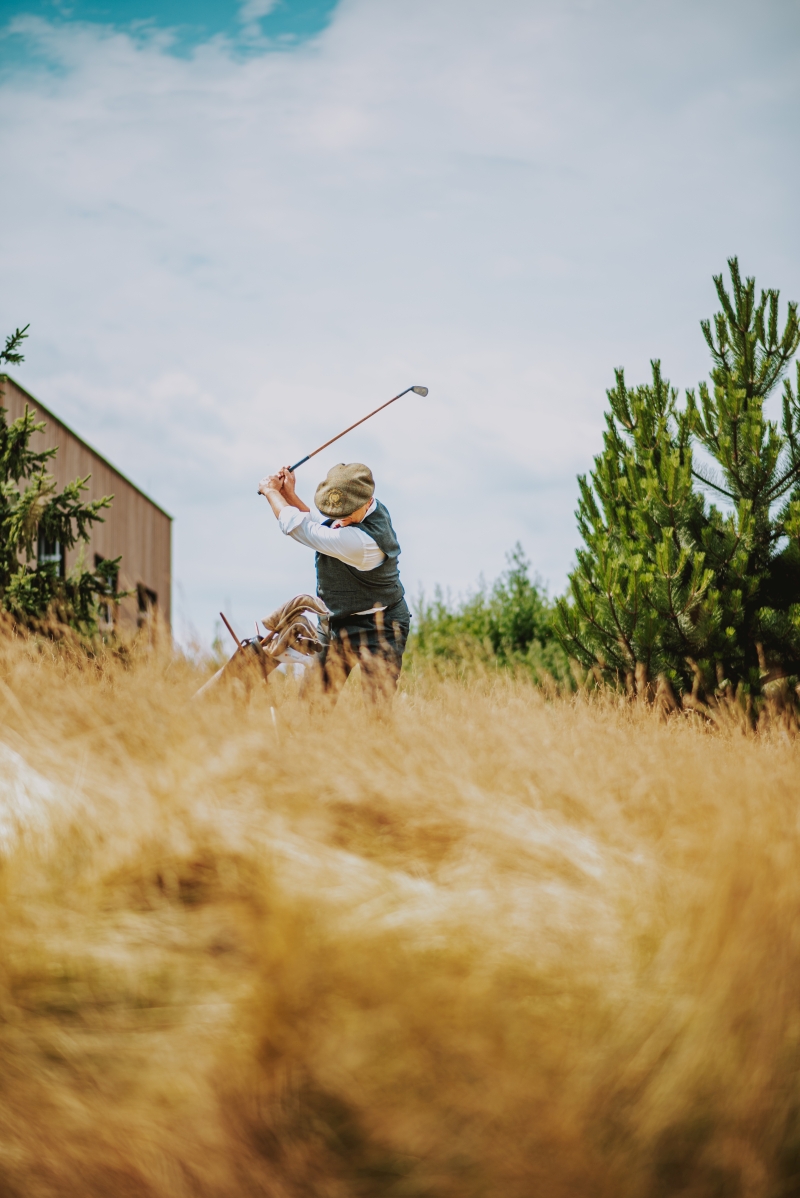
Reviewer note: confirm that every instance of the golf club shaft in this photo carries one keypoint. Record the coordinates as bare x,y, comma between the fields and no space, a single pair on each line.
350,429
230,630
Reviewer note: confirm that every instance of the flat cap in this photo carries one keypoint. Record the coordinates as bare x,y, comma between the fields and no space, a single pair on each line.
345,489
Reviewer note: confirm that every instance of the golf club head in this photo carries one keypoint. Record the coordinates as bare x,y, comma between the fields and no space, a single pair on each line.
420,390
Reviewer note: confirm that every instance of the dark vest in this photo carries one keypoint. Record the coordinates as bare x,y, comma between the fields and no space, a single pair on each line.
347,590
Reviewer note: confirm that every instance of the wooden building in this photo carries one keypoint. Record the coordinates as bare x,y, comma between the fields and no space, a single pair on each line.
134,527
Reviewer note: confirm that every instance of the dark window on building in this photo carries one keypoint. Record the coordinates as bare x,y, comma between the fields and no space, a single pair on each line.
107,610
148,601
50,551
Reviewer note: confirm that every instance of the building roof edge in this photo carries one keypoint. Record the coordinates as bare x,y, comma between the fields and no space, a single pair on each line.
83,441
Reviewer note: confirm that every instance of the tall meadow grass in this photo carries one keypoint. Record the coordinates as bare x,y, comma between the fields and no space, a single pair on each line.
490,944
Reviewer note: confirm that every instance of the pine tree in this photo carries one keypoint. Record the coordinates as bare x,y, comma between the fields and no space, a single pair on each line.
667,584
35,516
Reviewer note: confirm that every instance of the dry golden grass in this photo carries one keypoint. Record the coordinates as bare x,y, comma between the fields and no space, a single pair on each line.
490,946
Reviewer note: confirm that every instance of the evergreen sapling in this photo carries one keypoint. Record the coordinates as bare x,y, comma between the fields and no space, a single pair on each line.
34,515
668,584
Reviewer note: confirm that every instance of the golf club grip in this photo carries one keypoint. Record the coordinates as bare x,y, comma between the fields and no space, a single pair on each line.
294,467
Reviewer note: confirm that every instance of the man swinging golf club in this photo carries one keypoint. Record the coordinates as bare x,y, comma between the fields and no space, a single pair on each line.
357,573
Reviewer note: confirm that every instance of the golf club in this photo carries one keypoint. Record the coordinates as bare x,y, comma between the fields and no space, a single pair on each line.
417,391
230,630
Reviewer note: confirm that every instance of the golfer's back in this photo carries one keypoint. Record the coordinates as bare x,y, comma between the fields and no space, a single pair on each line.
347,590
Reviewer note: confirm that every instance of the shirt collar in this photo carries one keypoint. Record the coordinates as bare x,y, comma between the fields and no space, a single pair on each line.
373,503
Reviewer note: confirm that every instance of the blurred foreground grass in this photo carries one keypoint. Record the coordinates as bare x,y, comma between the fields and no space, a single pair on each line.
491,946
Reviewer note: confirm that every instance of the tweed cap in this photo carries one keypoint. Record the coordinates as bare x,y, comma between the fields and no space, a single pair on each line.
345,489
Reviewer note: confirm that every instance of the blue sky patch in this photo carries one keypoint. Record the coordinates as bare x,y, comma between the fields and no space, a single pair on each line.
254,26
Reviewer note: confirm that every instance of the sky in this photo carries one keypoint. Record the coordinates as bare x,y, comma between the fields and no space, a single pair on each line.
236,228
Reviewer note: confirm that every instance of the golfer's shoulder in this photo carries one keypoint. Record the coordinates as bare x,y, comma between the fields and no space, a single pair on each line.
378,518
378,524
379,510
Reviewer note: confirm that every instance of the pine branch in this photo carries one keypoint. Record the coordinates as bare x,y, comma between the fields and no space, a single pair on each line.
10,353
708,483
784,484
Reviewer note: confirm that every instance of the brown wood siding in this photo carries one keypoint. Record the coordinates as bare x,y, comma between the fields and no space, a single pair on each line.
134,527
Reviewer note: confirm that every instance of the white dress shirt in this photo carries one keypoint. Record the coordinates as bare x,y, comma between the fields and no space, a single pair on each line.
350,545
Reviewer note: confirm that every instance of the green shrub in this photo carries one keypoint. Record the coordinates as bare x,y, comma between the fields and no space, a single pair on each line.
507,624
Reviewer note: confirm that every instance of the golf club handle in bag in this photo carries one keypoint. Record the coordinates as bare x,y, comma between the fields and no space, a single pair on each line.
417,391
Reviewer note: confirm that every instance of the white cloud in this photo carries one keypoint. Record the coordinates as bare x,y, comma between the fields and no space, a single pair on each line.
226,260
254,10
250,14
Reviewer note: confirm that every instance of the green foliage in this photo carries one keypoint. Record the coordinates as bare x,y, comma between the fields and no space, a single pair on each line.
35,516
11,353
508,624
666,583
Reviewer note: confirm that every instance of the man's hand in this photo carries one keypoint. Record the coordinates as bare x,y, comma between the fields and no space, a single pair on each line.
272,487
287,483
271,482
288,491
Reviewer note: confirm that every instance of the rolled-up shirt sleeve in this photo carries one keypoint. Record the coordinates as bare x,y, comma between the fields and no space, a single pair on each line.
350,545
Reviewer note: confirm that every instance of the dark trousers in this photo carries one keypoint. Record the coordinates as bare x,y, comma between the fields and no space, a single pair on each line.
376,643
